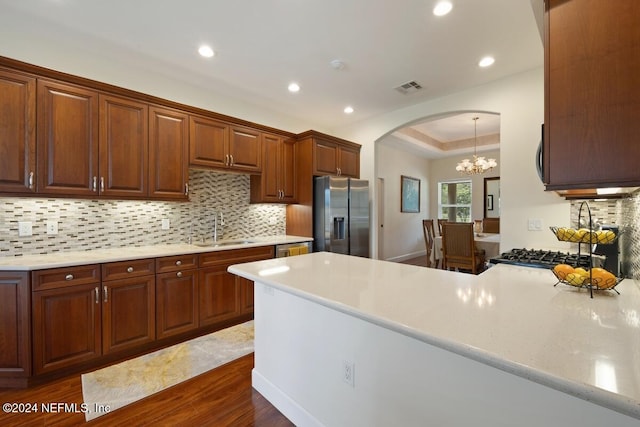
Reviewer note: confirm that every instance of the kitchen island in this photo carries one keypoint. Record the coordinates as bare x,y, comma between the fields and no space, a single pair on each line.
343,340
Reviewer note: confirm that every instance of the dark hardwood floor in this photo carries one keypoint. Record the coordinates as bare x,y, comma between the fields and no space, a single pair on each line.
421,261
220,397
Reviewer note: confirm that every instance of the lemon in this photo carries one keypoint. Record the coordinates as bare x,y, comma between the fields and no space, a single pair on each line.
561,233
606,236
575,279
581,271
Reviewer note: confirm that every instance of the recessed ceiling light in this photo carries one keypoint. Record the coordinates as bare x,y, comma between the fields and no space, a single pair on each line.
348,109
442,8
294,87
486,61
205,51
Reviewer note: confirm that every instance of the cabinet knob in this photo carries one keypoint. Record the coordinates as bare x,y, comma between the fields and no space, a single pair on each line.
68,277
179,274
178,262
130,270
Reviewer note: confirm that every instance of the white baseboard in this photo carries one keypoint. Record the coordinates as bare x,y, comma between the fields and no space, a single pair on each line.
407,256
289,408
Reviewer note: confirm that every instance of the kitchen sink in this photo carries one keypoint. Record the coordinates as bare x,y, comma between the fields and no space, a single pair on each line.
224,243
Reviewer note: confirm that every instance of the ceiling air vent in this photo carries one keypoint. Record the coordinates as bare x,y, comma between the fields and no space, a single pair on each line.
409,87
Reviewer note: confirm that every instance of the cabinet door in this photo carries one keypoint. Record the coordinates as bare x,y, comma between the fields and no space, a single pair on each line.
67,140
66,326
349,163
176,302
168,153
15,318
271,153
592,64
245,149
287,170
128,313
208,142
17,132
246,295
218,295
124,147
325,158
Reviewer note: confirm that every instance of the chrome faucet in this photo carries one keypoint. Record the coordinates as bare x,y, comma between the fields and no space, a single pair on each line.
215,225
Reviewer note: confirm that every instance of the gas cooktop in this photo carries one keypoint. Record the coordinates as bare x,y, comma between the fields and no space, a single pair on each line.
544,258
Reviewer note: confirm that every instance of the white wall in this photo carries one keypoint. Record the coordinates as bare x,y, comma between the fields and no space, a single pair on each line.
519,100
402,231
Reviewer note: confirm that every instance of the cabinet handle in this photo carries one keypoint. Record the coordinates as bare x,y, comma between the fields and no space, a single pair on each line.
31,180
226,160
102,184
186,189
106,294
179,274
97,291
95,183
339,171
231,156
130,270
68,277
178,262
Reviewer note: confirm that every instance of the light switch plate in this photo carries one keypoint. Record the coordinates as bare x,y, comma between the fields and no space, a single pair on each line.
166,224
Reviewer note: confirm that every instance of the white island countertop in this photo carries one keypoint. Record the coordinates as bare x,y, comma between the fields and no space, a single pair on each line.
98,256
511,318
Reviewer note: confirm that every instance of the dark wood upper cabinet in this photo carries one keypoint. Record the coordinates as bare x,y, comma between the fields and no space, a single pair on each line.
330,158
124,146
17,132
67,141
219,145
245,149
592,102
168,153
276,183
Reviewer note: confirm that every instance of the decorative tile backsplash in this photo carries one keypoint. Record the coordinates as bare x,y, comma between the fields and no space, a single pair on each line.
626,214
97,224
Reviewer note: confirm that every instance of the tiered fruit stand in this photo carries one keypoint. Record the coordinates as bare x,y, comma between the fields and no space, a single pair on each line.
603,280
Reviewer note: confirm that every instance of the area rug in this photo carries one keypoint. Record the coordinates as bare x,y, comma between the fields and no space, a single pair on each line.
113,387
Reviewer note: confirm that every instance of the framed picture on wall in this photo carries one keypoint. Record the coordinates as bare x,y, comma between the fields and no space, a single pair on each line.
490,202
409,194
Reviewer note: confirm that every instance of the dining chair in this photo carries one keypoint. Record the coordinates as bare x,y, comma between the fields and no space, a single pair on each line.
491,225
440,222
459,250
429,237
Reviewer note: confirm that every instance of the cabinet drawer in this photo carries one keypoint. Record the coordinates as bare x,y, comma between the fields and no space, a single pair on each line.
124,269
175,263
65,276
234,256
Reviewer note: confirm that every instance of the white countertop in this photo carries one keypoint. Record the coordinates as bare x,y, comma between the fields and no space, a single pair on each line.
66,259
509,317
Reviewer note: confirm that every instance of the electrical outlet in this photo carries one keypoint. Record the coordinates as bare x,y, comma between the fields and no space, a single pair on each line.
166,224
25,228
534,224
52,227
349,372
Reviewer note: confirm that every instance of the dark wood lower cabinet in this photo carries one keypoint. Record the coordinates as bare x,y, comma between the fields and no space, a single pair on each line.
128,313
58,321
176,302
218,295
15,330
66,326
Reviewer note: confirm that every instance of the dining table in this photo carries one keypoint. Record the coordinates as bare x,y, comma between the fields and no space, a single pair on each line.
490,242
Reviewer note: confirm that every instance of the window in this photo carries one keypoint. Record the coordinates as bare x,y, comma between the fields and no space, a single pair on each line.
454,201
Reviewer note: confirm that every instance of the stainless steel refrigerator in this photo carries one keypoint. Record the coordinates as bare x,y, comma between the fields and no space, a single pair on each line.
341,215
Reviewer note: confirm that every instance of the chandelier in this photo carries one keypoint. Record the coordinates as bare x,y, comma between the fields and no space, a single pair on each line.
478,164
